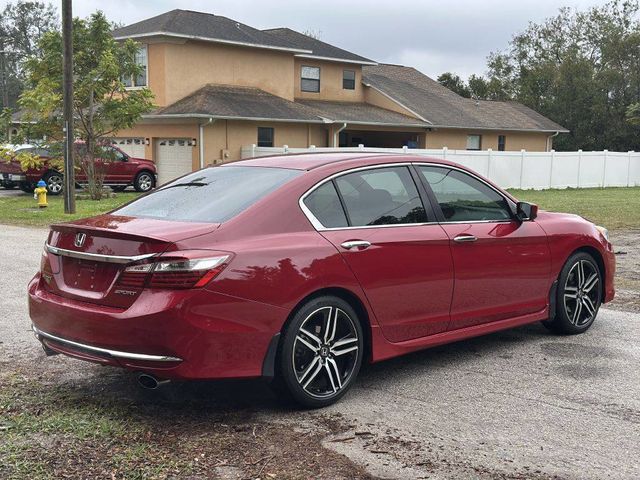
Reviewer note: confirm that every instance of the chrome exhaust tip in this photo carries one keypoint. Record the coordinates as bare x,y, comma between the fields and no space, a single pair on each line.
149,382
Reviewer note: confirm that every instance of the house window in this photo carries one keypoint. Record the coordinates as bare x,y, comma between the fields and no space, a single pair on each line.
474,142
502,142
349,80
140,80
265,137
310,79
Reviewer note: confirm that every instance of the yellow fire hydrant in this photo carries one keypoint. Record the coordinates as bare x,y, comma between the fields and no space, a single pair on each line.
40,194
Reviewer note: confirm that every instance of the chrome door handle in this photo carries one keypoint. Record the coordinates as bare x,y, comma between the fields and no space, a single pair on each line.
355,244
465,238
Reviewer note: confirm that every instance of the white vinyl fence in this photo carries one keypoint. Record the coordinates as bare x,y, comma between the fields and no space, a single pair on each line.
527,170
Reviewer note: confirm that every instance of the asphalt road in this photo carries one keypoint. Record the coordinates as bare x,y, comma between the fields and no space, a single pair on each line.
521,403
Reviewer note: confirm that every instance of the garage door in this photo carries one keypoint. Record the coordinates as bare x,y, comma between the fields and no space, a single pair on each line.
173,158
134,147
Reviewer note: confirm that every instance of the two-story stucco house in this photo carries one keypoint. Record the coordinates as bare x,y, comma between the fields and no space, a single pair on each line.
220,85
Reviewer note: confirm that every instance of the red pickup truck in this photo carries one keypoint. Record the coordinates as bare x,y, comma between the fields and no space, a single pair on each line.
121,170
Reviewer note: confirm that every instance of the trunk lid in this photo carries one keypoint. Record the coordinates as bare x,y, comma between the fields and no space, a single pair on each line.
86,258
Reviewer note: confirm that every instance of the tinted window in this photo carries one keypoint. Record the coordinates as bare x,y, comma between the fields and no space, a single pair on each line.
326,207
211,195
464,198
349,79
382,196
265,137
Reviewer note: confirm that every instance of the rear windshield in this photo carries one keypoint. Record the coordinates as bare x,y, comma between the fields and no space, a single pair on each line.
212,195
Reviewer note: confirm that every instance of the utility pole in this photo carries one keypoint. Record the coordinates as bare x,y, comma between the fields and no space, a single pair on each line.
69,172
3,73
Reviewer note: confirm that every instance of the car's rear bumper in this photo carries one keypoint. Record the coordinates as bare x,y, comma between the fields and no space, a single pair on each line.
195,334
14,177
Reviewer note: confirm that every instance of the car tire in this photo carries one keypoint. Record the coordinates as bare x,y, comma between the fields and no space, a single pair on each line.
321,352
578,295
9,185
144,182
54,181
119,188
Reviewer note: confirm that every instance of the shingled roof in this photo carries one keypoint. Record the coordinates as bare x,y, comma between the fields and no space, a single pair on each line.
441,107
246,103
319,49
204,26
360,113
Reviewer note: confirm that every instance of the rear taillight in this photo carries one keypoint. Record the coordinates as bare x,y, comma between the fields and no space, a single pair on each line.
174,273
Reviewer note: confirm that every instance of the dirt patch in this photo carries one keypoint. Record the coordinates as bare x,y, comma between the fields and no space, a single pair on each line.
626,245
99,427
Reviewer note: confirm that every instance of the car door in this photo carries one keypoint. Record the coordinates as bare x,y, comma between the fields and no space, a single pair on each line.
116,165
377,220
502,265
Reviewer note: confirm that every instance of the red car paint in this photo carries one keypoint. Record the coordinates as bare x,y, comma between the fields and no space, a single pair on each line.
414,286
121,171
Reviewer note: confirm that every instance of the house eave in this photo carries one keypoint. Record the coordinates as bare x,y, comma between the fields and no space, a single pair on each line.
333,59
186,116
211,40
502,129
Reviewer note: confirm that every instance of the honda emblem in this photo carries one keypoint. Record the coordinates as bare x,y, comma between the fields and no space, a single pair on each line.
79,240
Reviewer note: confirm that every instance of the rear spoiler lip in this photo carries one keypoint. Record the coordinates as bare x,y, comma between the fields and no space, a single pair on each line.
72,227
121,259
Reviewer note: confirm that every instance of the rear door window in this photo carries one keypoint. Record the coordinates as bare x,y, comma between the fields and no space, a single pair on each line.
325,205
381,196
212,195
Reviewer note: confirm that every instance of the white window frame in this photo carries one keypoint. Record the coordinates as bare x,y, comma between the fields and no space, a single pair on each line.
319,79
479,141
146,72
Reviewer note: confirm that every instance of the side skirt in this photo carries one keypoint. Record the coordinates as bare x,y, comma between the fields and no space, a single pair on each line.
383,349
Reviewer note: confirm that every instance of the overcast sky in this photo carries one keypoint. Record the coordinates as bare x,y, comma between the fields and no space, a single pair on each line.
432,35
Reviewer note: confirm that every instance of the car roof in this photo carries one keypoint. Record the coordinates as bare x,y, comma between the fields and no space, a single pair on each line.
310,161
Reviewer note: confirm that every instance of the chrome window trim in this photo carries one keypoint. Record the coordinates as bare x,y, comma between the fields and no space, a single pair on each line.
114,353
321,228
96,256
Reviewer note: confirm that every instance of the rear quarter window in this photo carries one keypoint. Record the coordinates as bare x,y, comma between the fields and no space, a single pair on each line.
213,195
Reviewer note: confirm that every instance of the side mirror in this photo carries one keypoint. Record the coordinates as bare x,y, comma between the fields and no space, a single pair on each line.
526,211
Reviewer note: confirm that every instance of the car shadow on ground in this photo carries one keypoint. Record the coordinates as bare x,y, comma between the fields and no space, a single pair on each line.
256,397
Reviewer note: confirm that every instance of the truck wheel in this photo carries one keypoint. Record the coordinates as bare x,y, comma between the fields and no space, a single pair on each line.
54,181
144,182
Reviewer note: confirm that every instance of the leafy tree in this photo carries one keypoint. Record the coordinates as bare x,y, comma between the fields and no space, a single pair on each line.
579,68
22,25
455,83
102,104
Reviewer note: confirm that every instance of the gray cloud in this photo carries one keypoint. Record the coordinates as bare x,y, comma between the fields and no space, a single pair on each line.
433,36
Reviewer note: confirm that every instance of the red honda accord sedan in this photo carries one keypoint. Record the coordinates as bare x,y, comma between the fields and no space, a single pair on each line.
301,267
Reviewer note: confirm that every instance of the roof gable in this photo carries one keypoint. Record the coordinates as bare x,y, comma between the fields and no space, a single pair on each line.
318,48
204,26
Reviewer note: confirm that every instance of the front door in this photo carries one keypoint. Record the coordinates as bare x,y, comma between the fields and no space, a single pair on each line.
376,219
502,265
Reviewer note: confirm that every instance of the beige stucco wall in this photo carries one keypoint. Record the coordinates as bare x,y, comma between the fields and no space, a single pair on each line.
374,97
178,69
456,139
224,139
330,81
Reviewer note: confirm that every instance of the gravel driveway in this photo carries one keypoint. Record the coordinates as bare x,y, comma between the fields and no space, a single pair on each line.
516,404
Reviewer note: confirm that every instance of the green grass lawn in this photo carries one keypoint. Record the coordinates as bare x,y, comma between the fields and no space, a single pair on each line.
613,208
23,209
